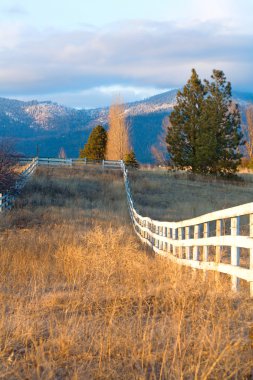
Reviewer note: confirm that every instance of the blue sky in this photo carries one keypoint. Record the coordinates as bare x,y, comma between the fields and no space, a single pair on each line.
83,53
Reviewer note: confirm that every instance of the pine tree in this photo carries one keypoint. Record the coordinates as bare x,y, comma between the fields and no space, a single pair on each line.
183,130
130,160
204,134
95,147
222,124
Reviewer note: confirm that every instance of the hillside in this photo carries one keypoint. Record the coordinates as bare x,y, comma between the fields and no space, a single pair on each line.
51,126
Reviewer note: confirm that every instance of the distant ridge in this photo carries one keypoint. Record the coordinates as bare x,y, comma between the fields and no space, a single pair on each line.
52,126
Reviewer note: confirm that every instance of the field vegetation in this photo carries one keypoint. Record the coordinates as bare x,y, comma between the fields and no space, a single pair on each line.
173,196
81,298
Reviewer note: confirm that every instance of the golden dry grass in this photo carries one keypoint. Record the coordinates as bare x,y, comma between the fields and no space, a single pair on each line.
82,299
19,168
169,196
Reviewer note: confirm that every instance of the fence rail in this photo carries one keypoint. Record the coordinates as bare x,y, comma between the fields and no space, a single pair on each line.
7,199
110,164
189,242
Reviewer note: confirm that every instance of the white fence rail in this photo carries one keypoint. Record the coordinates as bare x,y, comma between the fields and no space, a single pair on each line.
196,242
189,242
76,162
7,199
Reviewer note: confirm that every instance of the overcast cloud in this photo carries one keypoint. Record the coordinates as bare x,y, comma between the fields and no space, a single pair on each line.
82,67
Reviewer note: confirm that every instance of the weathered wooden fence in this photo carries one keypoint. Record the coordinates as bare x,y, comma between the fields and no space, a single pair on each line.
194,243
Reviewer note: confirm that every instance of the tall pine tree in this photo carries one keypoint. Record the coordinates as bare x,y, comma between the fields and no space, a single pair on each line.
222,123
95,147
204,134
185,124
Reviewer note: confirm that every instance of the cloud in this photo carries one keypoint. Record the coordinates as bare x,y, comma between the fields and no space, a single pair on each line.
135,54
16,10
97,96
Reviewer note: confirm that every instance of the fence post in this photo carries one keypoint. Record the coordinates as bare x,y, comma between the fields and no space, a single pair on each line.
196,236
251,252
218,233
206,235
235,251
187,249
161,241
174,236
103,164
180,236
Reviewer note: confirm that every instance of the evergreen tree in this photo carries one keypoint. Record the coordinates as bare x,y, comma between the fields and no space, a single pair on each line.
204,134
222,124
96,144
130,160
184,126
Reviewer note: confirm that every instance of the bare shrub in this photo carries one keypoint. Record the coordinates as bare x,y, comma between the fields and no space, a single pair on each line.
8,160
159,150
248,132
118,144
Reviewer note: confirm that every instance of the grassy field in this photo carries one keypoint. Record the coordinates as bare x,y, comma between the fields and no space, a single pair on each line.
168,196
81,298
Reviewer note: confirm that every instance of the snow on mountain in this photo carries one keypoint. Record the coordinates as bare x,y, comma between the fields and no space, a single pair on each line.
52,126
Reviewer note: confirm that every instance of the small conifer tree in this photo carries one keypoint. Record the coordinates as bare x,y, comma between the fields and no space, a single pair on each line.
95,147
130,160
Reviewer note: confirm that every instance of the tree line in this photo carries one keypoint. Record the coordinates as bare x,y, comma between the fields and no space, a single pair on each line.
113,144
203,133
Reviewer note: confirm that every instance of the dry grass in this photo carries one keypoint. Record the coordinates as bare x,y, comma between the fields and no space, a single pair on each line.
82,299
19,168
169,196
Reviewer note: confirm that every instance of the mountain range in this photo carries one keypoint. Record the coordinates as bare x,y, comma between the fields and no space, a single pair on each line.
45,127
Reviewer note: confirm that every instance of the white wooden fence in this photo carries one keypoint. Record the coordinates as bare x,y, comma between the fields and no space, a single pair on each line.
189,242
76,162
7,199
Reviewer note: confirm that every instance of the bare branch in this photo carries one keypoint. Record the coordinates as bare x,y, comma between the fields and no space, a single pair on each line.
248,132
8,160
118,144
